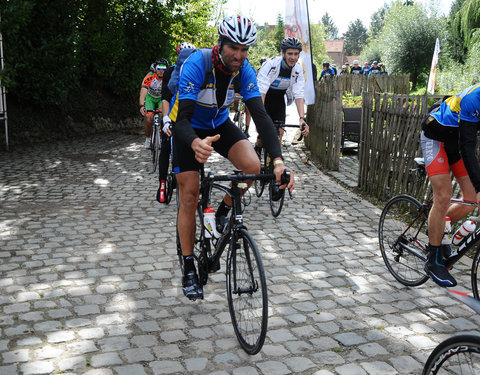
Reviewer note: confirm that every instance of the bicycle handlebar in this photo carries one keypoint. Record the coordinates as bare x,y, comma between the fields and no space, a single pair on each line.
237,176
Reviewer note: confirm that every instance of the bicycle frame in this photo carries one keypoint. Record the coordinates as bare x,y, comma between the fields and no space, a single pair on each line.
463,246
236,218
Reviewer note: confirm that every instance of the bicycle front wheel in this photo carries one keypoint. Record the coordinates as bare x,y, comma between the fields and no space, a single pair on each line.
247,292
474,273
456,355
260,184
402,235
170,183
275,205
156,142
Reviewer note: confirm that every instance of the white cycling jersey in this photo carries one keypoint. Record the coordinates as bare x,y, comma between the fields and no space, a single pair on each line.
268,77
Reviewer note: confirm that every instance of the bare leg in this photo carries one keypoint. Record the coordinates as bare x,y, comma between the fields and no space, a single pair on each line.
148,124
458,211
442,192
189,192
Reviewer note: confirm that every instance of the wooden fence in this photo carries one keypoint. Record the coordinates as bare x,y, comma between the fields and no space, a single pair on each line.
356,84
389,142
325,121
326,115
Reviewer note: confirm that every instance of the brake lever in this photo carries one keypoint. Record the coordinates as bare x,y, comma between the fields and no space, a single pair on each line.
301,135
285,179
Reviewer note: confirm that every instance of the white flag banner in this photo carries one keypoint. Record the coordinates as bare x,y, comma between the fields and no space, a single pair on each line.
297,25
433,69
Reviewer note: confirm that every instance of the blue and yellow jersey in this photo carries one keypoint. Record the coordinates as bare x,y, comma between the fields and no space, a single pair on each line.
464,106
208,113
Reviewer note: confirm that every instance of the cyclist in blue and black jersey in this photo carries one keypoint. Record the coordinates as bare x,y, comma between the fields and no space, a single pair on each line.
375,69
327,72
203,125
167,97
366,68
449,140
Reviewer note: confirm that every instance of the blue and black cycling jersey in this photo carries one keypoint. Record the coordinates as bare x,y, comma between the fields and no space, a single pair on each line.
211,110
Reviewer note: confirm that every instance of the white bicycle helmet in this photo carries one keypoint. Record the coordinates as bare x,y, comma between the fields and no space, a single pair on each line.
238,29
185,45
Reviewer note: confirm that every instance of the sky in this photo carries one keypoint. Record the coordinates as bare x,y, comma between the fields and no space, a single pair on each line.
342,13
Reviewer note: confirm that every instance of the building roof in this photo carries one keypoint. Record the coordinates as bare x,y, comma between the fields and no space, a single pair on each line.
350,59
334,45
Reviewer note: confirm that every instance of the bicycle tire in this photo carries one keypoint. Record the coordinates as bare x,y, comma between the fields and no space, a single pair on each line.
275,206
403,239
169,185
156,147
260,184
247,292
456,355
474,274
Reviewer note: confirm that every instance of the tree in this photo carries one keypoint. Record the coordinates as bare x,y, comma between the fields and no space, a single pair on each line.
330,28
355,37
456,45
43,61
377,21
279,33
467,20
408,39
93,44
319,53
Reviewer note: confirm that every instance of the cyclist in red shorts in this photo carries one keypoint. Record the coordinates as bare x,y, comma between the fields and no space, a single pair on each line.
448,140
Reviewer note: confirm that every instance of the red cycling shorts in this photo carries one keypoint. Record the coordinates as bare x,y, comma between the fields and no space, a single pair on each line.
437,159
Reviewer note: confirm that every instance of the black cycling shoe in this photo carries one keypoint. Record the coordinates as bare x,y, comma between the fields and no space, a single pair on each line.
221,221
191,286
435,268
448,251
277,193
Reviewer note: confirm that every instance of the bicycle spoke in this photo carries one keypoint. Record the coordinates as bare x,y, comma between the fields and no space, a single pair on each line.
403,238
247,293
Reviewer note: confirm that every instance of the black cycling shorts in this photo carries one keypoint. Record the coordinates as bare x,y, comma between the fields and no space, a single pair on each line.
275,105
184,157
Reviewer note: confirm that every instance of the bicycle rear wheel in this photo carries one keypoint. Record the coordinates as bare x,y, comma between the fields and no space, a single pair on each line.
260,184
456,355
402,235
247,292
275,205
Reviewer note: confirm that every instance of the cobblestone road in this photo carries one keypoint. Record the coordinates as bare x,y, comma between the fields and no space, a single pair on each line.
90,281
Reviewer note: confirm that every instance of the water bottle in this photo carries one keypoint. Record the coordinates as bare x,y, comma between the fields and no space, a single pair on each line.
209,221
447,233
462,232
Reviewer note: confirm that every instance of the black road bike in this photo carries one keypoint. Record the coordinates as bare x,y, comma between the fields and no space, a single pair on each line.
403,239
155,139
245,276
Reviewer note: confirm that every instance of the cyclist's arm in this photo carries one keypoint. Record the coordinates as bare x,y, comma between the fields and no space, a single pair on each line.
467,145
166,93
141,100
182,129
265,126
